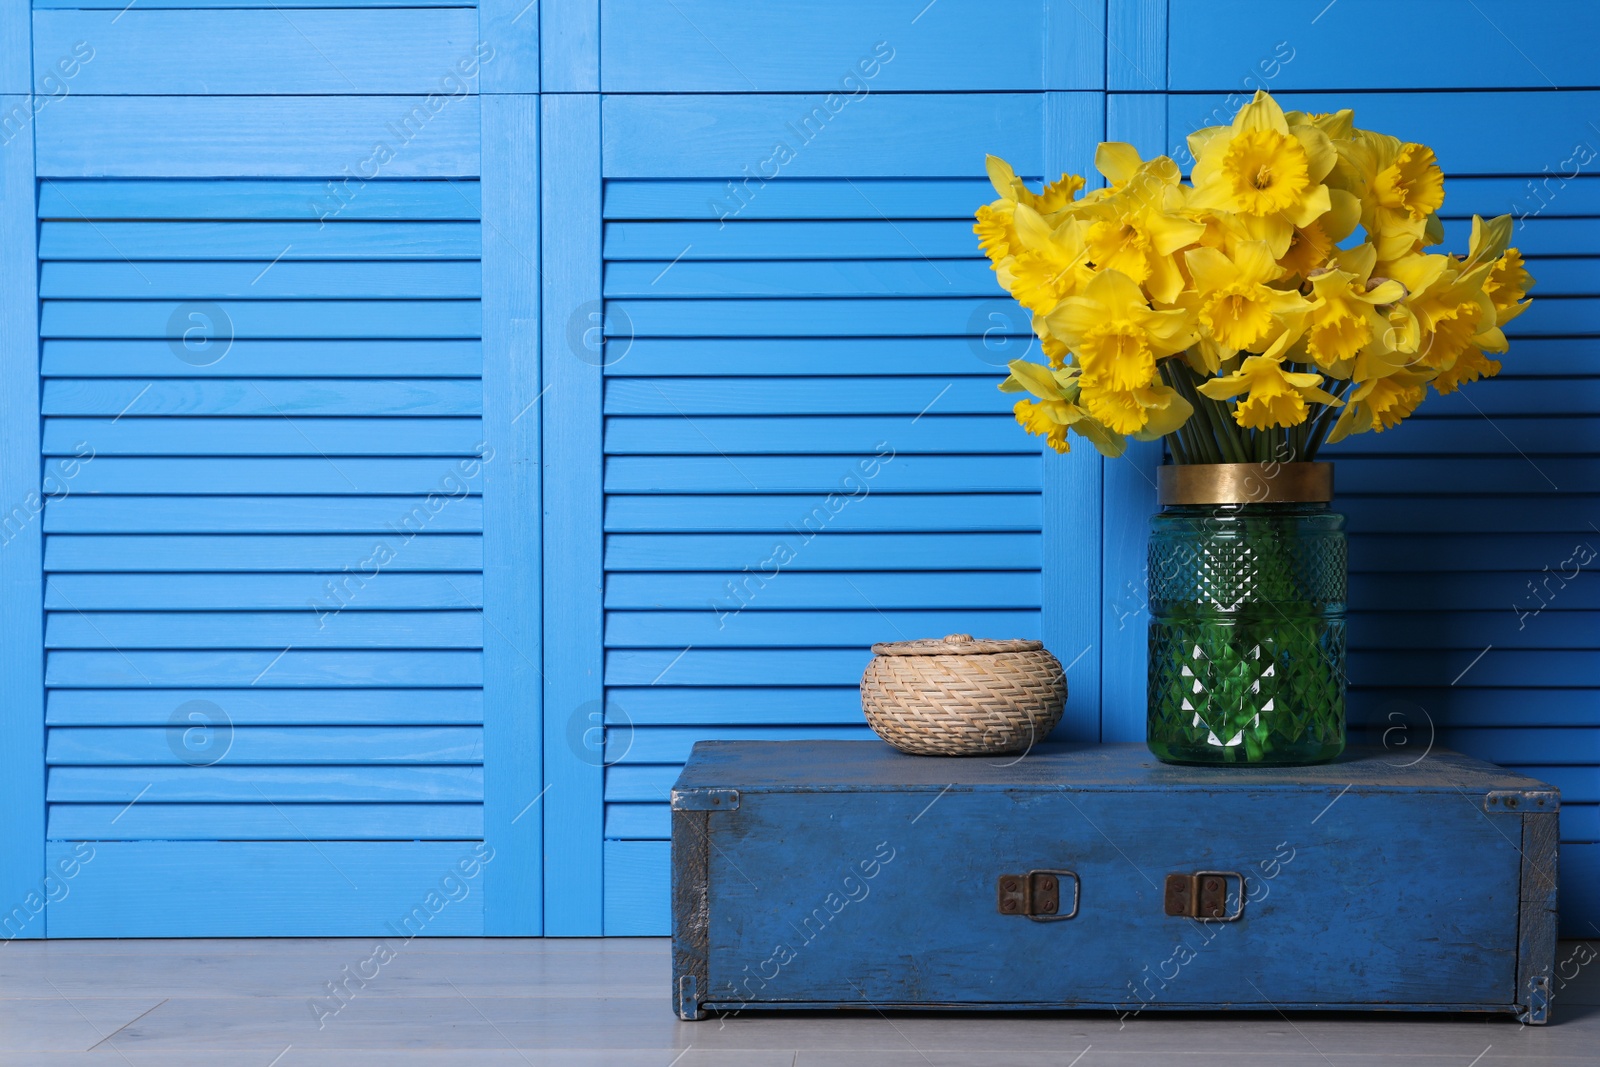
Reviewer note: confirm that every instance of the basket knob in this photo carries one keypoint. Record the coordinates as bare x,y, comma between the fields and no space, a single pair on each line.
958,639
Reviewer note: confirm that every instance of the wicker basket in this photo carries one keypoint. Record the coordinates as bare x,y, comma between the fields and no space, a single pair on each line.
962,697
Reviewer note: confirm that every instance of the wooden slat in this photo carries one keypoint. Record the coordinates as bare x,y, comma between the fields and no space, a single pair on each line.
271,436
572,580
1548,746
823,474
825,356
245,822
290,5
265,318
1546,122
252,785
737,435
779,629
671,744
238,474
1529,435
909,396
240,889
835,47
275,630
513,421
145,553
21,771
890,512
118,396
1520,625
925,317
308,593
638,822
398,516
1465,706
294,667
1396,512
1548,195
251,358
754,667
947,590
1497,667
640,783
803,278
242,52
636,889
220,280
799,198
1380,553
891,135
379,198
1241,45
727,706
247,745
254,706
261,241
824,552
823,240
254,137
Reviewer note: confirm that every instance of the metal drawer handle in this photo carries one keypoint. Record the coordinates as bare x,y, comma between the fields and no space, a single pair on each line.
1037,895
1204,895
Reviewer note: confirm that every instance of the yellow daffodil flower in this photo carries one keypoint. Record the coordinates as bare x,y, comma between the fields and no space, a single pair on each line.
1343,317
1050,264
1236,306
1380,404
1264,170
1057,408
1275,396
1297,252
1117,338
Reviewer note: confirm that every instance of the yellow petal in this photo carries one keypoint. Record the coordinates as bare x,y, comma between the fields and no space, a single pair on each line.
1261,113
1001,176
1035,379
1168,411
1209,268
1255,262
1117,160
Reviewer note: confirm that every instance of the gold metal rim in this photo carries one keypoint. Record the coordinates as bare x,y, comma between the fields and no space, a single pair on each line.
1244,483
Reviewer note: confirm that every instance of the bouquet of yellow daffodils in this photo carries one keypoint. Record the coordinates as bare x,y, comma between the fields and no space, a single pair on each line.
1241,315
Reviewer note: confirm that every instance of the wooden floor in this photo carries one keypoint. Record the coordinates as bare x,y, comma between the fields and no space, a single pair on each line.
441,1002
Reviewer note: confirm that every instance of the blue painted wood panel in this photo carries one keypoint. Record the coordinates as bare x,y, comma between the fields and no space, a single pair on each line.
849,49
217,889
768,343
1308,44
267,52
360,138
22,859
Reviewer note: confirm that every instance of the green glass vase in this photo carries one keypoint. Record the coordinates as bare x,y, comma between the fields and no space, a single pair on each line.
1247,632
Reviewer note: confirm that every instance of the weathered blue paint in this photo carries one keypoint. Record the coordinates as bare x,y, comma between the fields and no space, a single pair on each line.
845,874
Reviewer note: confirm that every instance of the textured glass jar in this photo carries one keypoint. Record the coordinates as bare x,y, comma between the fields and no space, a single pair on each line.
1247,633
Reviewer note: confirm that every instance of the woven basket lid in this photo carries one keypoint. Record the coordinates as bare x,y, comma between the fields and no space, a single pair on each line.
955,645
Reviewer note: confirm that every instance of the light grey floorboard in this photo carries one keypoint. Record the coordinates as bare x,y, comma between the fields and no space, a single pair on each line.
594,1003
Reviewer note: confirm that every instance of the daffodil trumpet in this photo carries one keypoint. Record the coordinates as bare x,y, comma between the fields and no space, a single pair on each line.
1283,297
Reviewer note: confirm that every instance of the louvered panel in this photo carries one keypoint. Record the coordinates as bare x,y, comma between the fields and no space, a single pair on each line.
264,554
805,454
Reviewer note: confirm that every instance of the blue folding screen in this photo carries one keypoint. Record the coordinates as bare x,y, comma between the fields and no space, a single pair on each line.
449,431
289,647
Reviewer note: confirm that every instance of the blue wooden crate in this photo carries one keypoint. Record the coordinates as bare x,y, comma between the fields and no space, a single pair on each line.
843,874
